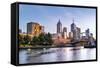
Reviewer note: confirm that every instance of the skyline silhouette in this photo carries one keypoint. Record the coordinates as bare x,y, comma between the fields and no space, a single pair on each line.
48,16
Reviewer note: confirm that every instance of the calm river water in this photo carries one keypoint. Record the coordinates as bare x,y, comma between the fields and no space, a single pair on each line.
56,55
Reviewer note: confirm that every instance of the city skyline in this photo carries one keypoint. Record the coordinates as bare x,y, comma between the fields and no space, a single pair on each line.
49,16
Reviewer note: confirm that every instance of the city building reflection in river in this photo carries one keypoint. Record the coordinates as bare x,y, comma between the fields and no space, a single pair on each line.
57,55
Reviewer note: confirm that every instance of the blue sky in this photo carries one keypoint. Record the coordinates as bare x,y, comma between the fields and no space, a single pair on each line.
48,16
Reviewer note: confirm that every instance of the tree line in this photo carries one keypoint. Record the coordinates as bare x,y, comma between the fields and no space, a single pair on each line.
42,39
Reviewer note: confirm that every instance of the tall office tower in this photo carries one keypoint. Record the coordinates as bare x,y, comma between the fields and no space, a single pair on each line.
73,26
78,31
34,29
74,30
70,35
87,32
92,40
59,27
65,33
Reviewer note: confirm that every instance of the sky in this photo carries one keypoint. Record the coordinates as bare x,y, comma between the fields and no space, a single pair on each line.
48,16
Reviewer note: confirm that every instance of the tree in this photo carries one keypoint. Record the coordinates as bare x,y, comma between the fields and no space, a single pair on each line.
35,40
26,39
20,39
48,38
41,38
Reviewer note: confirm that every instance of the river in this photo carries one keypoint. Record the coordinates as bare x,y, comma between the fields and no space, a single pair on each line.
57,54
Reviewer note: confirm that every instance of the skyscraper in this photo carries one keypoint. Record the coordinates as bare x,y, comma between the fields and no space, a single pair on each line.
91,40
65,33
73,26
59,27
70,35
78,31
29,28
34,28
74,30
87,32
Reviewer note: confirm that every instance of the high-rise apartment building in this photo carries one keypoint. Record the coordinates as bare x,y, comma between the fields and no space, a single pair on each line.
34,29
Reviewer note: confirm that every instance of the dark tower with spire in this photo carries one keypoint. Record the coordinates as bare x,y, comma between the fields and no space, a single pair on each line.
59,27
73,26
74,30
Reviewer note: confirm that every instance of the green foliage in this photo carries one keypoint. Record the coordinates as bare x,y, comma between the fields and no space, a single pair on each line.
24,39
42,39
48,39
35,40
20,39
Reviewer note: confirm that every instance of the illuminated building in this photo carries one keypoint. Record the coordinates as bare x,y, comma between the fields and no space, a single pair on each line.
34,29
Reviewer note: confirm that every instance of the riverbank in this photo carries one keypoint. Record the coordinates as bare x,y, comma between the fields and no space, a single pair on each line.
52,46
34,47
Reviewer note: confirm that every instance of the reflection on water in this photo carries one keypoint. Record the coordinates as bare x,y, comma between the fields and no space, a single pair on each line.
57,54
